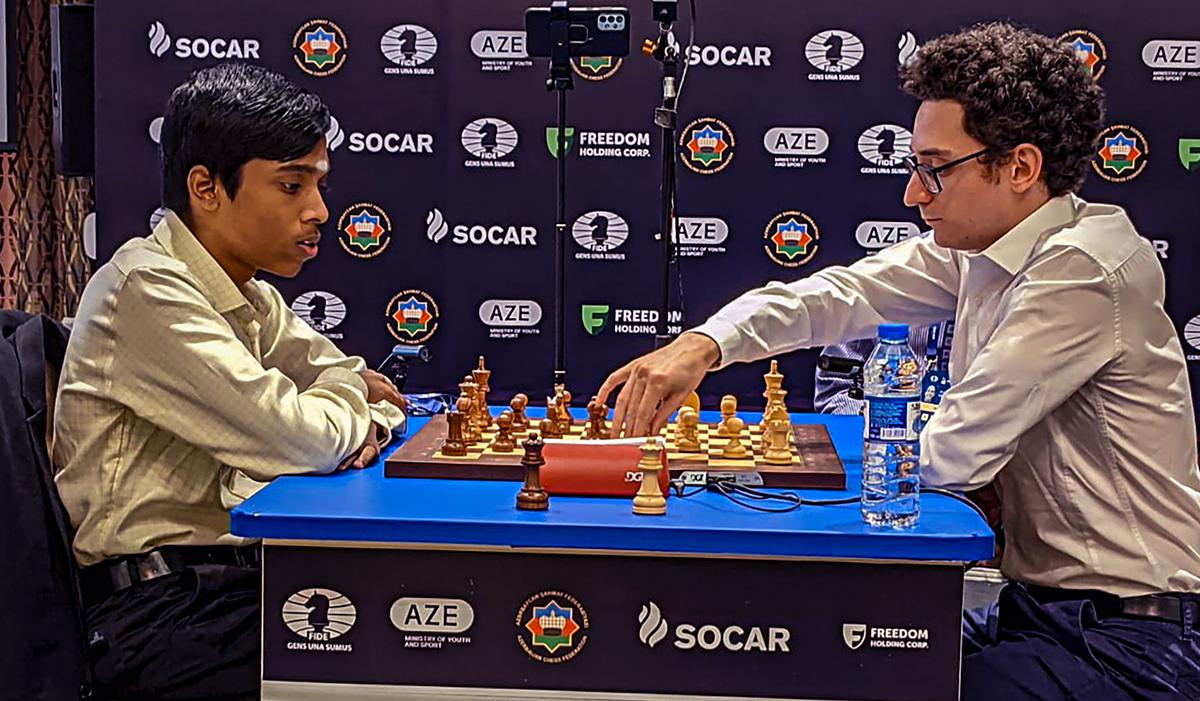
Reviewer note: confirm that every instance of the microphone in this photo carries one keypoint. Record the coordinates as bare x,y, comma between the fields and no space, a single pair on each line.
420,353
839,365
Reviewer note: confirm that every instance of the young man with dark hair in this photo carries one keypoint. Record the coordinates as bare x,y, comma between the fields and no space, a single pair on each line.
1069,387
188,384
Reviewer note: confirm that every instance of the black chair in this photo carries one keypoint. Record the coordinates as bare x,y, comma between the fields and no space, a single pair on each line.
40,585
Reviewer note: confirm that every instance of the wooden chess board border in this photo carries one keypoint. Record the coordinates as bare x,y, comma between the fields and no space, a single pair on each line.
818,465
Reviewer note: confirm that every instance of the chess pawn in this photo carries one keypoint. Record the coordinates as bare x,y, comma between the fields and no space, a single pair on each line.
777,444
520,421
454,446
650,500
532,497
504,442
549,428
469,435
597,420
687,439
734,449
728,411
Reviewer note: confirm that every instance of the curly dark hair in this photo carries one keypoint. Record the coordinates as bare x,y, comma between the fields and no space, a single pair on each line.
1016,86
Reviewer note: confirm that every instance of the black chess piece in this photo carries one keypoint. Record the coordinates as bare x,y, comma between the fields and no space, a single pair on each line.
455,444
532,497
316,311
600,232
487,137
833,49
887,143
408,44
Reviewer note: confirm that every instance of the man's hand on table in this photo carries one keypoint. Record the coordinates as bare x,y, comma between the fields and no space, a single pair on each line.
368,452
381,389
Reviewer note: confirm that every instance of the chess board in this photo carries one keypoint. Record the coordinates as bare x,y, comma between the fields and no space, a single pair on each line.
814,466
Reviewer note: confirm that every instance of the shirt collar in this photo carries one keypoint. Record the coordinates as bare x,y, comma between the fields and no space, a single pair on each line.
1012,250
180,243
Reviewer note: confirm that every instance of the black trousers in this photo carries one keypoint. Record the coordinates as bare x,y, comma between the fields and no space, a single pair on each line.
1073,649
192,634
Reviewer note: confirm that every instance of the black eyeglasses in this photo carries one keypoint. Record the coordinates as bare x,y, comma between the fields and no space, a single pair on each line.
930,176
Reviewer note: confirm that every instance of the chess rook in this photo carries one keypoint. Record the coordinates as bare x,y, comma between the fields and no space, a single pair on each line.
532,496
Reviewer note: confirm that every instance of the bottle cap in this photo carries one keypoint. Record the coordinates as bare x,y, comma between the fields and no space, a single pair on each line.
893,332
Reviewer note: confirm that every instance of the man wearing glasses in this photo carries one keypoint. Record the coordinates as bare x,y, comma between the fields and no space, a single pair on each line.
1069,389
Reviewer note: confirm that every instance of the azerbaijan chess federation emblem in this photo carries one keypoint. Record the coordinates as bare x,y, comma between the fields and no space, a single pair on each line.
1123,155
319,48
791,239
412,316
552,627
1089,49
364,230
706,146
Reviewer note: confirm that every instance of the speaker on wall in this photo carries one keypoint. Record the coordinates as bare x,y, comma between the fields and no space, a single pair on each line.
73,78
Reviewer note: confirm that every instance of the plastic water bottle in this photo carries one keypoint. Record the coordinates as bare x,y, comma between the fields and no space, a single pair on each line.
891,449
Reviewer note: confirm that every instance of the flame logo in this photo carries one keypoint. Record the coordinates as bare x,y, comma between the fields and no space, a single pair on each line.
435,225
908,48
654,626
160,41
334,135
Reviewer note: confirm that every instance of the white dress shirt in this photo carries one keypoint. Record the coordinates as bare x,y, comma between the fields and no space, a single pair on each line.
182,394
1069,387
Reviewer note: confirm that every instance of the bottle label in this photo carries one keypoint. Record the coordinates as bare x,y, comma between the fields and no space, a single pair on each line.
891,418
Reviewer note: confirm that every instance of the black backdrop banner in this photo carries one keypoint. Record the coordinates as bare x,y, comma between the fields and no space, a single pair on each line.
442,199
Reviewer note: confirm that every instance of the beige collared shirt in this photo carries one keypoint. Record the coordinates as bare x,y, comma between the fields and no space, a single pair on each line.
1069,387
182,394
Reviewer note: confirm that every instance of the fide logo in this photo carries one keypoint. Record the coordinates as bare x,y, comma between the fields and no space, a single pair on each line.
552,627
835,53
409,47
885,146
599,233
323,311
364,230
1123,155
412,316
596,68
791,239
1089,49
706,146
319,48
489,140
1191,334
318,617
